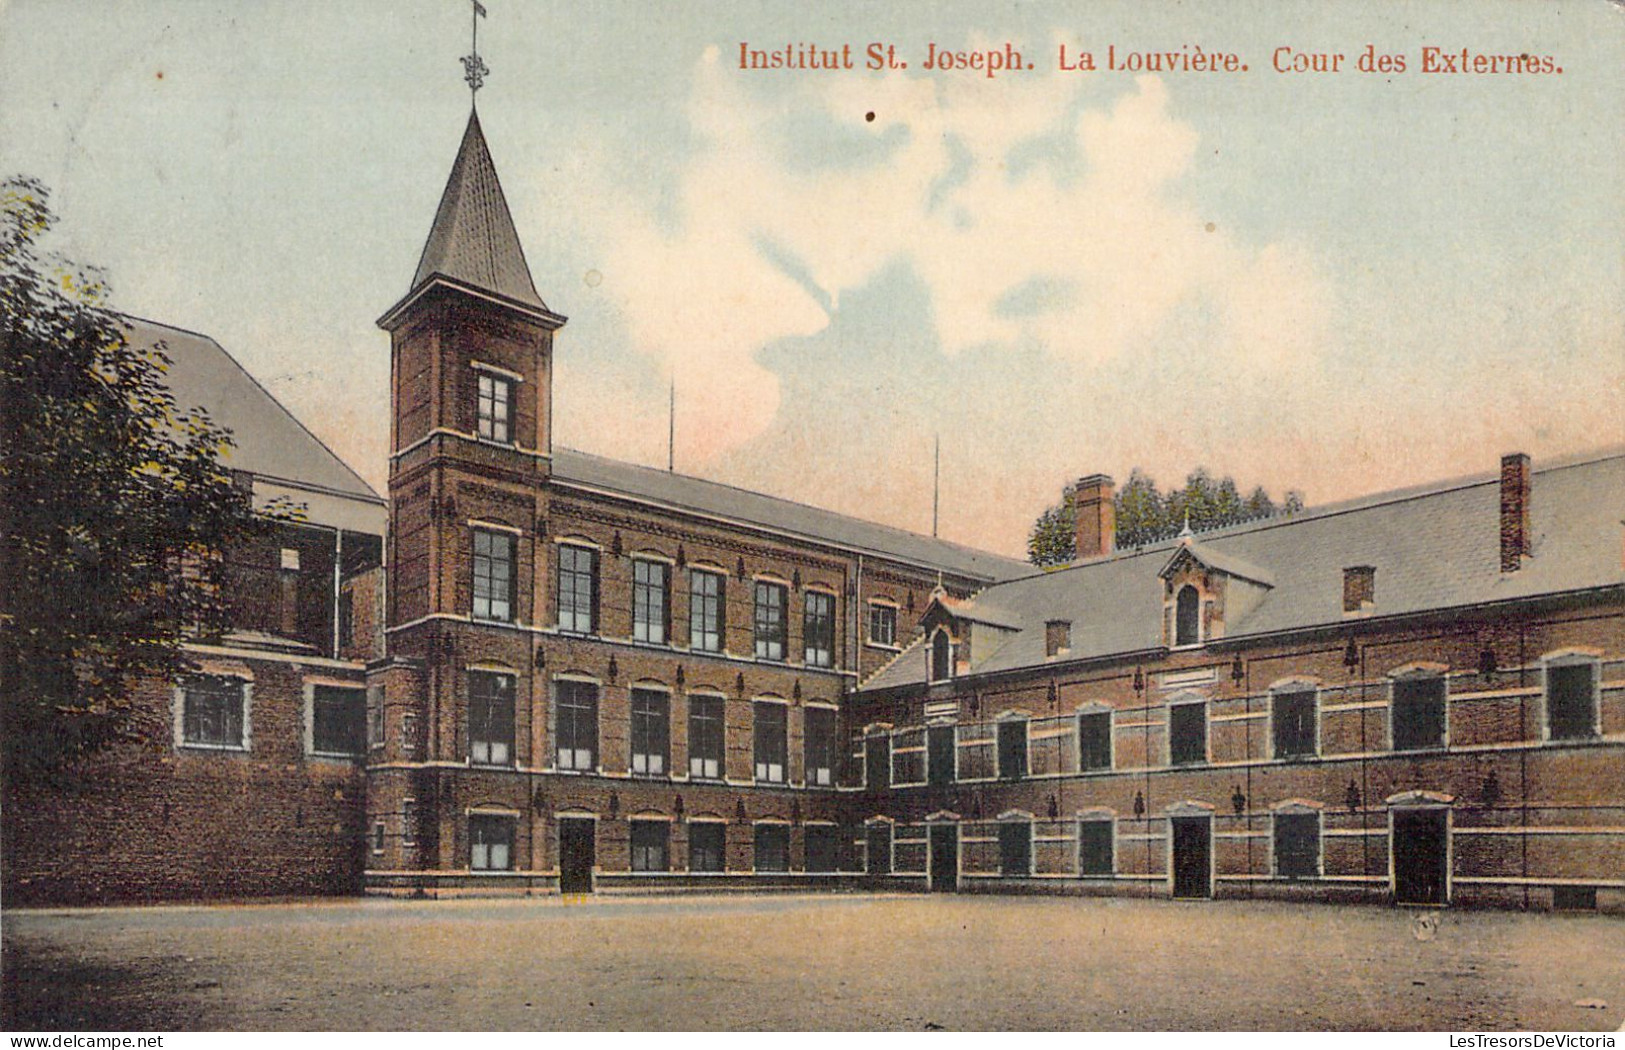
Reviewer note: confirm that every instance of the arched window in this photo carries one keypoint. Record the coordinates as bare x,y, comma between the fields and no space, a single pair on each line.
1187,616
942,657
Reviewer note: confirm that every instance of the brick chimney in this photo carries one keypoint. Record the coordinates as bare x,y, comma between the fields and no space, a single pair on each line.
1097,515
1057,636
1515,538
1359,587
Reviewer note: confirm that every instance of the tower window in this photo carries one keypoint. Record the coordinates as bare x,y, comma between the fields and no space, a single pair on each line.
495,407
942,657
490,717
1187,616
493,575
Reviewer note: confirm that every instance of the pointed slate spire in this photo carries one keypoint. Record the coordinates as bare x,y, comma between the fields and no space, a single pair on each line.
473,240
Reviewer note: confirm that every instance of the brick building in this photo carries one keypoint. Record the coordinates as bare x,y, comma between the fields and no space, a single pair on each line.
587,675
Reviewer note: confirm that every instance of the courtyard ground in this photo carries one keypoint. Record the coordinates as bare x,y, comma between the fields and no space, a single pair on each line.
805,962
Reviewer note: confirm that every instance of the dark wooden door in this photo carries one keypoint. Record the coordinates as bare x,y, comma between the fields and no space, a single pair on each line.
1192,854
576,854
944,858
1421,856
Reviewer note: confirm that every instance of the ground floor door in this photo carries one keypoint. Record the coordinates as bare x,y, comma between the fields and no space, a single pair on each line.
576,854
1421,848
944,858
1192,859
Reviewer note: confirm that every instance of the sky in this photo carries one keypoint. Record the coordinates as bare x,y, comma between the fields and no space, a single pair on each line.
1334,282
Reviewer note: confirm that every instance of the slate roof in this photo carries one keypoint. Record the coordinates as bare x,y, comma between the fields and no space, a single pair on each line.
1435,547
473,240
713,499
271,443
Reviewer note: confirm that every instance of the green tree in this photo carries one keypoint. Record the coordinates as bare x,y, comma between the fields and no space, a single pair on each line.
114,509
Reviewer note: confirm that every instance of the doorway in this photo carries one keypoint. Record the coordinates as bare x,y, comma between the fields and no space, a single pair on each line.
1421,849
1193,856
576,854
944,858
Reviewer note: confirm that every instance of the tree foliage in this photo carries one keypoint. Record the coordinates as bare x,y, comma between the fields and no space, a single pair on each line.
114,508
1146,515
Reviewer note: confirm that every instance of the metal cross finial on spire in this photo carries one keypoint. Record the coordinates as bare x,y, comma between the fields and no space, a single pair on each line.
474,70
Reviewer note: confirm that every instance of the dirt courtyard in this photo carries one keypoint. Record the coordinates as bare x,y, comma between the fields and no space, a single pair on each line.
806,962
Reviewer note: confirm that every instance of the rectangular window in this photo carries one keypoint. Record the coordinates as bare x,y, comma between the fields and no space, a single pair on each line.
877,761
1293,716
770,626
338,720
1095,848
705,846
818,738
1187,734
1015,848
493,575
877,848
772,847
651,731
1095,740
378,836
490,843
1297,845
771,746
1013,749
818,629
822,848
576,724
346,619
375,717
883,624
1418,712
1571,701
651,586
409,822
578,589
212,712
649,842
940,763
706,594
705,737
495,408
490,718
409,732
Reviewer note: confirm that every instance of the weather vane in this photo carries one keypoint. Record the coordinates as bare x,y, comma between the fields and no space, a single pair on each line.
474,70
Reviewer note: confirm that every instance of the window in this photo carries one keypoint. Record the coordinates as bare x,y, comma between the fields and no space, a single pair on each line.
1187,616
705,737
651,583
1095,848
213,713
770,743
818,739
1571,700
651,731
705,846
493,575
939,753
1292,713
1013,749
409,822
338,720
409,732
706,594
877,760
770,621
346,619
1418,712
376,730
1095,740
942,657
490,843
772,847
576,726
882,624
1187,734
496,397
378,836
649,841
1015,848
822,848
490,718
878,848
1297,845
578,589
818,629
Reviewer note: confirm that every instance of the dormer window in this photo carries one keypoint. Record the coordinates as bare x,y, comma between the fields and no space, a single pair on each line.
495,407
942,657
1188,616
